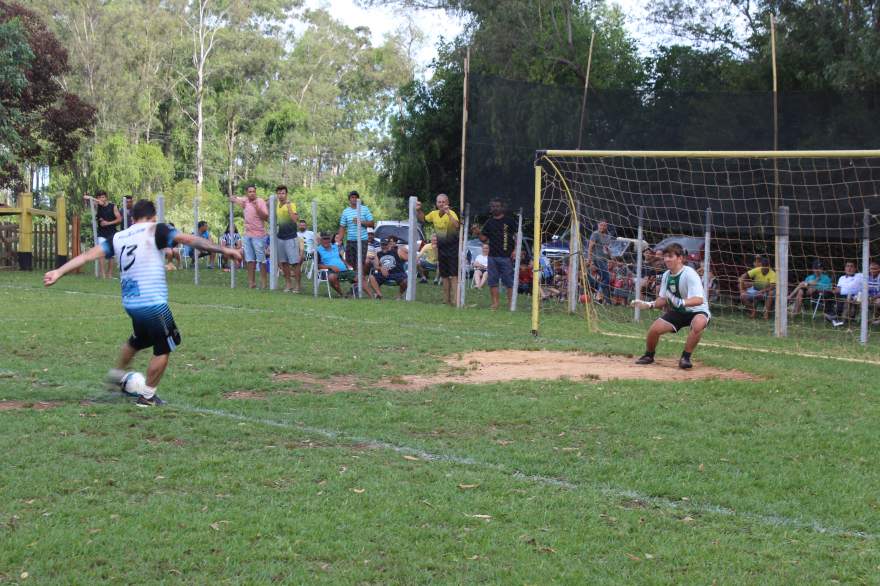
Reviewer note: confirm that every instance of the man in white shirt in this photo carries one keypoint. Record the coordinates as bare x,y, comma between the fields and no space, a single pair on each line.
849,285
681,293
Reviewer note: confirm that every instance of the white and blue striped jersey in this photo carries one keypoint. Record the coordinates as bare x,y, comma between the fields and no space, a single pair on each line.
139,254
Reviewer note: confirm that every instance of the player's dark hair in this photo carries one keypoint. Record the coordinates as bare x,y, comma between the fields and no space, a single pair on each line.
100,193
144,208
281,188
674,248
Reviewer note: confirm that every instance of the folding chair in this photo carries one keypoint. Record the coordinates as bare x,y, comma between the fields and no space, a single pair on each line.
324,277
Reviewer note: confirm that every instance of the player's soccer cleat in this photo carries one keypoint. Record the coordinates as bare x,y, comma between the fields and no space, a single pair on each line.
154,401
685,362
646,359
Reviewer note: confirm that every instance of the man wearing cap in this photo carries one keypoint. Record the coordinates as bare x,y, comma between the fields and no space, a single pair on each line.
348,229
328,258
389,265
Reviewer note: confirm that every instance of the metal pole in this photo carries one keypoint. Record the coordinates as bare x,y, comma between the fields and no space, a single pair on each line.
232,263
195,251
315,248
586,89
413,251
536,281
124,215
360,254
462,258
866,253
639,262
273,243
160,207
574,251
707,242
781,305
516,264
95,234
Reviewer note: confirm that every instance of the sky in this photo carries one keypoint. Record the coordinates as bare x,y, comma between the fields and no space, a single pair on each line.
437,24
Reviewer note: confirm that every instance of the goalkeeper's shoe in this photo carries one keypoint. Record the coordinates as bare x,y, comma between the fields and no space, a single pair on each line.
153,401
645,359
685,362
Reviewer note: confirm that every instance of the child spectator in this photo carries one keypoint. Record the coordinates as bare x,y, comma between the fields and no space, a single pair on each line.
481,267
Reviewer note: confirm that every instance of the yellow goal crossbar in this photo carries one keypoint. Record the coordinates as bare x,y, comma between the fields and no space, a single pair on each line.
827,154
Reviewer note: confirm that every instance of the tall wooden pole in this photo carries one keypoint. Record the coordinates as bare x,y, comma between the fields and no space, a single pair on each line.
775,113
586,88
464,121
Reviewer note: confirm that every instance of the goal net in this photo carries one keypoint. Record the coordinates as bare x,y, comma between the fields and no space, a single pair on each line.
782,240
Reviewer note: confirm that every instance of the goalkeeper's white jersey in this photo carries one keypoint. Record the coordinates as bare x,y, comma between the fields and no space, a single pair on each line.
685,284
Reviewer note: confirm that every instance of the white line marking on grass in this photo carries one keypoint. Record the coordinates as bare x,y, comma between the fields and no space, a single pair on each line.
479,334
604,489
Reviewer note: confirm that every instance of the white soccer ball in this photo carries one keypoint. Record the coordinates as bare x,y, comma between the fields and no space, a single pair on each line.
133,383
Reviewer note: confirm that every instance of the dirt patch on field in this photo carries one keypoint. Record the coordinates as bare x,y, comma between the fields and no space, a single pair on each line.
16,405
321,384
245,395
507,365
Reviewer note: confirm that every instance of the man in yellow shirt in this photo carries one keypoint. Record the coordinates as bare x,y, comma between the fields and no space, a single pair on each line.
758,284
446,224
289,247
428,258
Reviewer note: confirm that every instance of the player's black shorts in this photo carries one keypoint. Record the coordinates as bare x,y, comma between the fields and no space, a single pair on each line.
681,319
447,259
154,326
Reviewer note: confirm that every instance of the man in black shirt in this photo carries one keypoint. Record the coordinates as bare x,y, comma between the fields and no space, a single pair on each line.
109,219
389,264
500,232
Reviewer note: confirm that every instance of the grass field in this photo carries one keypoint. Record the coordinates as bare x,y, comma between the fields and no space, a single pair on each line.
773,481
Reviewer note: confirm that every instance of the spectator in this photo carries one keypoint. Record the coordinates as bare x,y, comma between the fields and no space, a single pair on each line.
172,255
499,231
126,210
202,231
524,279
328,258
622,281
446,224
256,212
874,291
817,286
289,246
348,226
849,285
428,258
307,237
229,240
598,253
109,218
389,264
481,267
712,281
758,284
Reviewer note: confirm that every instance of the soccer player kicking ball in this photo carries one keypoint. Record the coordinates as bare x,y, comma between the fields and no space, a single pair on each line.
141,260
682,289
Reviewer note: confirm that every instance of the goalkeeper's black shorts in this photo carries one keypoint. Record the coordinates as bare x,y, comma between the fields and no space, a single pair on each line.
682,319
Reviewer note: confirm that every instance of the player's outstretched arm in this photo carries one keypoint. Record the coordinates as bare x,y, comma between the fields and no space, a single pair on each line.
204,245
93,254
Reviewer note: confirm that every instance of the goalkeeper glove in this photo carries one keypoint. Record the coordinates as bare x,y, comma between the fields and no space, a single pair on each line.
675,301
642,304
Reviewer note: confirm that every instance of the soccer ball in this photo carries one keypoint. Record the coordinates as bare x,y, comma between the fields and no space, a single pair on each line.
133,383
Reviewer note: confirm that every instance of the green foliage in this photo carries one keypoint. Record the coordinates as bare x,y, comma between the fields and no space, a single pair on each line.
15,60
121,167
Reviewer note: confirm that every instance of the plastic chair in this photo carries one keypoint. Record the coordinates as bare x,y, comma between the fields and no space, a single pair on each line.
324,277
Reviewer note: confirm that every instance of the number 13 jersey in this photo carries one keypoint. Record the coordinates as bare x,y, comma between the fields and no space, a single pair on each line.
141,259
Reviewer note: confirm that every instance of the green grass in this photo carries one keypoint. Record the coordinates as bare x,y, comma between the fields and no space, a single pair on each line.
770,482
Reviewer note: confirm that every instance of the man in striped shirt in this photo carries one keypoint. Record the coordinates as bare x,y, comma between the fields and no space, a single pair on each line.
141,260
348,228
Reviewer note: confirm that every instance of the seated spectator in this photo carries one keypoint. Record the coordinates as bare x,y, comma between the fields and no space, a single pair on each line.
329,259
622,282
712,292
594,280
481,267
202,232
389,264
172,256
524,279
428,259
849,285
758,284
874,291
229,240
816,286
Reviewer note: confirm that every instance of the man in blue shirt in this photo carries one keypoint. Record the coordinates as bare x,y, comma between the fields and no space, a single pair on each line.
348,228
817,285
329,259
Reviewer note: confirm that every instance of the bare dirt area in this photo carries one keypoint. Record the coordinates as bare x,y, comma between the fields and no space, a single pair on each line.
18,405
322,384
507,365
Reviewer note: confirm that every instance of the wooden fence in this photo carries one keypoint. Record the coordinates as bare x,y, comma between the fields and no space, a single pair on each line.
45,246
8,246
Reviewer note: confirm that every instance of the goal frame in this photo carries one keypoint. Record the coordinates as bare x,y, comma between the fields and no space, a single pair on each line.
542,157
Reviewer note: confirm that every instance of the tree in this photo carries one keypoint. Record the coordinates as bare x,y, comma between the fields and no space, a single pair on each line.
16,57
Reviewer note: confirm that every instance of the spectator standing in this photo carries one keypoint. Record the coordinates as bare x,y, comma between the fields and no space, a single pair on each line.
446,225
353,240
289,246
849,285
598,253
500,232
109,219
328,257
126,210
256,212
481,267
758,284
428,258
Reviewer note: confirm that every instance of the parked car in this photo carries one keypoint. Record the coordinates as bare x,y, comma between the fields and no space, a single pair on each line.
399,230
694,247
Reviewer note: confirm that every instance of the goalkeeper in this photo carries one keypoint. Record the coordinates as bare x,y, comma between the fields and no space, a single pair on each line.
681,290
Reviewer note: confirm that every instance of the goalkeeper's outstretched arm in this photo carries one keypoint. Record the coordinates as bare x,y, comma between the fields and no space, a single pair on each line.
662,302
